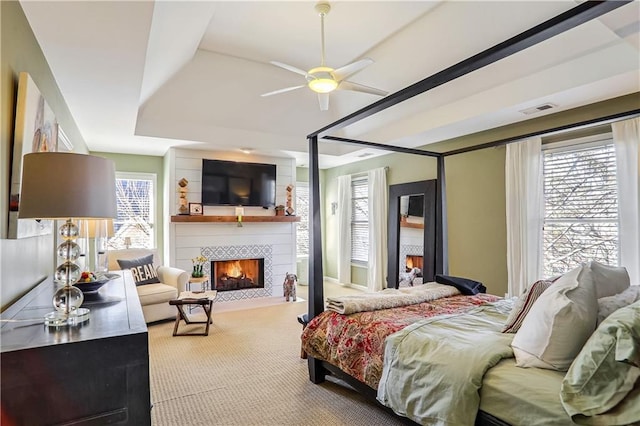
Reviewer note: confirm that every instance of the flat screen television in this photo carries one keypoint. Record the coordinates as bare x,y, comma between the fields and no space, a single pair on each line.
416,205
229,183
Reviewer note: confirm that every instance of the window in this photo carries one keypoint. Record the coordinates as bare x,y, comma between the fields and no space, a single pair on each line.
581,205
360,219
135,199
302,205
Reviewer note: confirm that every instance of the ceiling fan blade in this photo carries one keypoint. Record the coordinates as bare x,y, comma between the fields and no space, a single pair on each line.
352,68
323,99
286,89
289,68
349,85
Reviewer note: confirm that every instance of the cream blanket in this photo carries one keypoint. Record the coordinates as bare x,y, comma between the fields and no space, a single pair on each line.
390,298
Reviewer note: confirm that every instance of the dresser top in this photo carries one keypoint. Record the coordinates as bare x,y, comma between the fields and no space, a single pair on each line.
115,311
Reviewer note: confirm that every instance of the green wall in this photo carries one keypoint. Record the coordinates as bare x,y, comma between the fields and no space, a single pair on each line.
145,164
475,192
24,262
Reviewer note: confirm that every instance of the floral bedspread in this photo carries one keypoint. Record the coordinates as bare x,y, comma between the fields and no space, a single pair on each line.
355,343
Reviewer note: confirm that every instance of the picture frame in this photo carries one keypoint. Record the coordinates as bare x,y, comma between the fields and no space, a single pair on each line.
36,130
195,209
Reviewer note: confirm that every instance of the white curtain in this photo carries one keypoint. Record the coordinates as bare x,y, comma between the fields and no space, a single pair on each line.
626,137
378,207
524,192
344,229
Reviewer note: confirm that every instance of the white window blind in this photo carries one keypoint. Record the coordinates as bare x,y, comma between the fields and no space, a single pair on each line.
135,200
302,206
581,206
360,220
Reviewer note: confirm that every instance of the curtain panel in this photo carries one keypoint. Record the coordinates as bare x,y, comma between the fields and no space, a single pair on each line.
344,229
626,138
525,206
378,208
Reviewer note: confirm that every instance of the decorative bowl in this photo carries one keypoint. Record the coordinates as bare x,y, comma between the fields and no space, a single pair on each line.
95,284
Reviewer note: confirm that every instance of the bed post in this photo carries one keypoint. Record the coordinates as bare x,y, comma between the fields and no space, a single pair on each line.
442,247
316,289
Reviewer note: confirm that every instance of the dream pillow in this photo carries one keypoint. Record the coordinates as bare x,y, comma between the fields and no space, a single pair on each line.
602,379
142,269
559,323
609,280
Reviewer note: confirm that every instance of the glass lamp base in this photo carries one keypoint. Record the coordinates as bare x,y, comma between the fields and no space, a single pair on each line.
59,319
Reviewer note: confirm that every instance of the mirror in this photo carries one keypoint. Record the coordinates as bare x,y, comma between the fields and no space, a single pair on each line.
411,233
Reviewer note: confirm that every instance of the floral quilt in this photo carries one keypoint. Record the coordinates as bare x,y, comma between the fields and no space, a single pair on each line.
355,343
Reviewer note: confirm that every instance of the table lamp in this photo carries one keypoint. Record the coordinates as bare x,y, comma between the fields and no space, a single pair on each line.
97,231
68,186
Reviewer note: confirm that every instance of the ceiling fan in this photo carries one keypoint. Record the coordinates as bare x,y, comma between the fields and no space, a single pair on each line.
324,80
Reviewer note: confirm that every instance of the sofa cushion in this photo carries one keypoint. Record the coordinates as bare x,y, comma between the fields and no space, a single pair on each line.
152,294
141,269
559,323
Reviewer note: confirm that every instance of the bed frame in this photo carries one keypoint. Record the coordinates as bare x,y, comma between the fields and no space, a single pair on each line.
565,21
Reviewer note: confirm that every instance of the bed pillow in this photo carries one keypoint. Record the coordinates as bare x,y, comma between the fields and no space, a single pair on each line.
600,382
142,269
559,323
464,285
610,304
523,305
609,280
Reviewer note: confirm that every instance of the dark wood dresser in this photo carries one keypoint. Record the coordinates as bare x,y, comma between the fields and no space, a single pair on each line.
96,373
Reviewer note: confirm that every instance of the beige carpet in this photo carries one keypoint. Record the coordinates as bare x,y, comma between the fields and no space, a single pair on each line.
248,372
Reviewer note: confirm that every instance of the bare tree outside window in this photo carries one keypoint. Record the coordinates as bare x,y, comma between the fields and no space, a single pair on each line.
302,210
581,207
135,209
360,220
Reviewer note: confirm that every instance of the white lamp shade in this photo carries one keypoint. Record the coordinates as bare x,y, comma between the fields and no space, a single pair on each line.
57,185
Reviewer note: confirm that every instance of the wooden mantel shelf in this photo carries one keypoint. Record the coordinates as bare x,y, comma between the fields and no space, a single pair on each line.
219,219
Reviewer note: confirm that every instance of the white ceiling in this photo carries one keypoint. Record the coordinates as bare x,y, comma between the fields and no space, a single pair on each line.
141,77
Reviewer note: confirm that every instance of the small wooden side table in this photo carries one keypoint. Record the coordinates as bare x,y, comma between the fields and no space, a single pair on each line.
200,298
203,281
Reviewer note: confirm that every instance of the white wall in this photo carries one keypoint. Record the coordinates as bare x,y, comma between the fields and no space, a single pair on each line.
187,240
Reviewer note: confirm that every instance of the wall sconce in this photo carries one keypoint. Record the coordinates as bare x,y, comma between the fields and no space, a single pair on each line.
334,208
57,185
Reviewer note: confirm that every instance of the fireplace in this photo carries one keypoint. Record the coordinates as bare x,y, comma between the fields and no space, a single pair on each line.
413,261
237,274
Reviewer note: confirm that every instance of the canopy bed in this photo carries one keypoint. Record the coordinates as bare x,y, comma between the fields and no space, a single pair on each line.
320,361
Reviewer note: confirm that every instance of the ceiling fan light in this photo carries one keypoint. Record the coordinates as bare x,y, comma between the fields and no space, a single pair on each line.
323,85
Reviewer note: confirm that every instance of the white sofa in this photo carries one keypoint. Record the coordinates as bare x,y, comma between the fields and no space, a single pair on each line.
154,298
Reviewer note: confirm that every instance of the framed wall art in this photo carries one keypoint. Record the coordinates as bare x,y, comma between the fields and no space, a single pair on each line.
36,130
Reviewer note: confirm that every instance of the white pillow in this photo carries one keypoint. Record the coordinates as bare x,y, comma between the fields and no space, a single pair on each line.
609,280
610,304
559,323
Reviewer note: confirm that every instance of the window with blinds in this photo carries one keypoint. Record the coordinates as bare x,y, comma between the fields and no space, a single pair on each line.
302,207
360,219
581,206
135,201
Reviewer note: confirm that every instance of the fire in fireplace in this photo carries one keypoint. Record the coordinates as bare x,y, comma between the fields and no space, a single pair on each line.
237,274
413,261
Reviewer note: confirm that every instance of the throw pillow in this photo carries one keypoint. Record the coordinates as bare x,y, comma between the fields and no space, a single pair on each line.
523,305
559,323
599,387
142,269
610,304
609,280
465,285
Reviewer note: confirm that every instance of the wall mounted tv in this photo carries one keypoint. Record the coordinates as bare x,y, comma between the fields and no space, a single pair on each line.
229,183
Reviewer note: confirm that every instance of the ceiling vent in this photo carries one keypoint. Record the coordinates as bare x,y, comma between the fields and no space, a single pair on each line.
366,154
539,108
